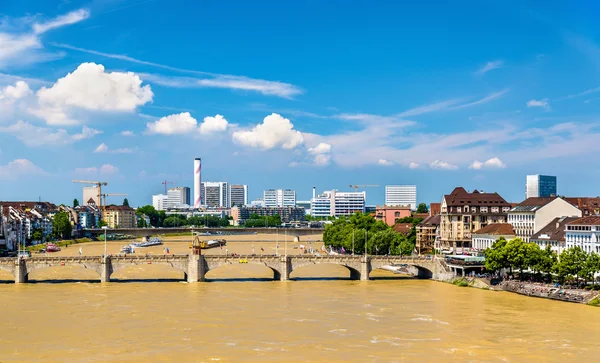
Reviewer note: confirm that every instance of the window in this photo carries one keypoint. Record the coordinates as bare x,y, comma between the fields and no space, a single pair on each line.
397,214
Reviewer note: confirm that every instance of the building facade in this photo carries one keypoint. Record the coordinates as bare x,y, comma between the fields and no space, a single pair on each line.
553,234
287,214
304,204
336,204
540,186
279,198
462,213
90,193
178,197
389,215
589,206
428,234
238,194
159,201
485,237
401,195
120,216
585,233
215,194
529,216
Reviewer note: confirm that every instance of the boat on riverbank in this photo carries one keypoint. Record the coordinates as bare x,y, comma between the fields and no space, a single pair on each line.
152,241
51,247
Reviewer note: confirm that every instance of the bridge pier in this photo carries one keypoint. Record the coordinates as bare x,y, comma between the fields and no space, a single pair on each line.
365,269
106,269
195,268
286,268
21,275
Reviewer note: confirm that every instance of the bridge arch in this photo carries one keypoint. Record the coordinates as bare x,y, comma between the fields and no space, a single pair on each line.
143,269
420,269
245,265
353,269
7,272
62,272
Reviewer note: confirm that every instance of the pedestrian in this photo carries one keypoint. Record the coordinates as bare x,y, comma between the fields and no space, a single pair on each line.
80,250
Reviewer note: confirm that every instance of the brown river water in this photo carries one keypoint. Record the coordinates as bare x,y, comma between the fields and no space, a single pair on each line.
317,320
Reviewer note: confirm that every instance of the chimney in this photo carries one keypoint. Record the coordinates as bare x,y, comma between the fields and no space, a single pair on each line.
314,192
197,181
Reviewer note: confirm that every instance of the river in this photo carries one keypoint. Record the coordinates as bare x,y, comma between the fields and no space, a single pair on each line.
313,320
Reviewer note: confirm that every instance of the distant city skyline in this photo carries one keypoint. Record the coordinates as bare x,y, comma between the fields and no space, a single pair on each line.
412,108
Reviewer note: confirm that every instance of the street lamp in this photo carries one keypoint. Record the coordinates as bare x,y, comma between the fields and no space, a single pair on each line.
104,228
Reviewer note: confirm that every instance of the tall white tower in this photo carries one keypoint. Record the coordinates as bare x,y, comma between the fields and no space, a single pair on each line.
197,181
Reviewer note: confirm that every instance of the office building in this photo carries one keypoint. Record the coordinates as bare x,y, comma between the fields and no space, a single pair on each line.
90,194
401,195
215,194
238,194
529,216
159,201
287,214
334,203
462,213
540,186
304,204
279,198
585,233
178,197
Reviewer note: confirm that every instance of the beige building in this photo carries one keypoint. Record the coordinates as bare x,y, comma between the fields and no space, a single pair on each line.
462,213
485,237
120,216
428,234
532,214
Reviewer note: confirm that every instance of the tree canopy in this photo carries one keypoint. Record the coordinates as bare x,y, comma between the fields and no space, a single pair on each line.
75,203
126,202
61,225
422,208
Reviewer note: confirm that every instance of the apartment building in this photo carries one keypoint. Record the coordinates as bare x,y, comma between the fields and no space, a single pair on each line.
401,195
585,233
428,234
120,216
485,237
462,213
334,203
279,198
529,216
553,234
238,194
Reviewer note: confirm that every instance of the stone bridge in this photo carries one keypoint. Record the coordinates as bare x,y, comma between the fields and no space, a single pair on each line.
142,232
195,267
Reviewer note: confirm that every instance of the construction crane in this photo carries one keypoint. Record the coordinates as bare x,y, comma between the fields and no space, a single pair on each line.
165,184
99,187
356,186
112,195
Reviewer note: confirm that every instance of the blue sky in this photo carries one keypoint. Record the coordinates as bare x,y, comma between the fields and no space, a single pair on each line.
298,94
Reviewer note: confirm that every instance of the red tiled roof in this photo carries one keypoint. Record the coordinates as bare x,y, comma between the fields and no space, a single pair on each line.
460,197
497,229
587,221
431,221
536,201
555,230
403,228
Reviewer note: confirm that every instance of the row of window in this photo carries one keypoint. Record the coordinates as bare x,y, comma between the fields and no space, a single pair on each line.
466,209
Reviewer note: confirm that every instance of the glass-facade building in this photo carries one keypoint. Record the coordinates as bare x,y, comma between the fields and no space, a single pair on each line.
540,186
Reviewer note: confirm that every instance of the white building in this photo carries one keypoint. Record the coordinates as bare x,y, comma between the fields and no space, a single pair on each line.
334,203
531,215
553,234
585,233
90,193
540,186
401,195
178,197
159,201
304,204
485,237
215,194
279,198
238,194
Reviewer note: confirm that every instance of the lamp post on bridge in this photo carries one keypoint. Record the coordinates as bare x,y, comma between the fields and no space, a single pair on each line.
104,228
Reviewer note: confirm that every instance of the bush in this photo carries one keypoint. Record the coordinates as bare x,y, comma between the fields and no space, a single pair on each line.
595,301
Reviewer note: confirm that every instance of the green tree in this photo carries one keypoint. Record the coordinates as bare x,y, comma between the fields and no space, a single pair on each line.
405,248
384,242
422,208
141,223
75,203
571,263
496,257
102,224
61,225
591,266
547,261
516,253
126,202
37,234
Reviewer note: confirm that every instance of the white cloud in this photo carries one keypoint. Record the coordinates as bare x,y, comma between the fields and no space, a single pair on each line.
103,148
213,124
493,163
180,123
321,154
539,103
106,169
274,88
485,99
127,133
115,91
584,93
275,131
434,107
20,167
437,164
61,20
22,48
413,165
490,66
19,90
384,162
34,136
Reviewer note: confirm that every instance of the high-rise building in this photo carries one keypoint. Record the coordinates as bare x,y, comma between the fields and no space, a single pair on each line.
304,204
159,201
540,186
334,203
238,194
197,182
215,194
279,198
178,196
90,193
401,195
